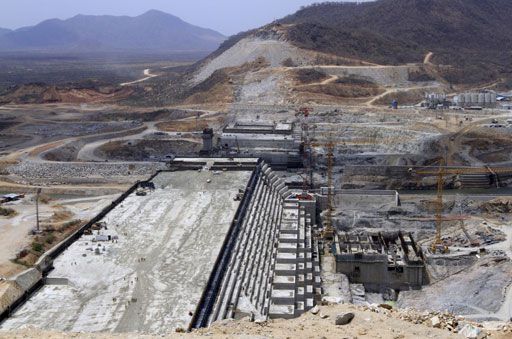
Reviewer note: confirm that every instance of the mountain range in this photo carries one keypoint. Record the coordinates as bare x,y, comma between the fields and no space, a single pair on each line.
4,31
153,31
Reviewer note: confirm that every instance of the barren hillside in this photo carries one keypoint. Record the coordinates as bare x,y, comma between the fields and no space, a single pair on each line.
364,54
384,43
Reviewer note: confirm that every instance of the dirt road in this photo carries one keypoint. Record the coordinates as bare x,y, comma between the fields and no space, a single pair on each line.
147,76
428,58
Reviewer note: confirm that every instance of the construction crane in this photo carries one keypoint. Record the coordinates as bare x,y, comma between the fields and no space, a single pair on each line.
306,142
437,244
328,232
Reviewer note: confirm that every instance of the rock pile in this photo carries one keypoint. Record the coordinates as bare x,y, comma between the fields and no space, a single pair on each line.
59,172
344,318
499,205
441,320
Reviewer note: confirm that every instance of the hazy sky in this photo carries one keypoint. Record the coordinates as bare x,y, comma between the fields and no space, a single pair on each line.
226,16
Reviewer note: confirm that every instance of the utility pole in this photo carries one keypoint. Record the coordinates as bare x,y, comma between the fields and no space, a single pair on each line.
37,209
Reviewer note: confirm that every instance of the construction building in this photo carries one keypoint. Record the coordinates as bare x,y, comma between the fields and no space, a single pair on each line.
276,143
380,260
436,101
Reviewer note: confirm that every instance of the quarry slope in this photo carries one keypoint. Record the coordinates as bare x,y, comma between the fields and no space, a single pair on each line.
268,68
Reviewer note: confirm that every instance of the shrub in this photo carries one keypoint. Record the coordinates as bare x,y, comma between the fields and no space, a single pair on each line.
37,247
7,212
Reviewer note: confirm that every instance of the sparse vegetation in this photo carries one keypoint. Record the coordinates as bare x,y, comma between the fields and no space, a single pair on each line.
49,239
308,76
473,35
352,80
71,223
44,199
50,236
420,76
288,63
7,212
37,247
347,87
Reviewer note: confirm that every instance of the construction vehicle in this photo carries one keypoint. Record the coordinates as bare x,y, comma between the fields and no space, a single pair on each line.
438,245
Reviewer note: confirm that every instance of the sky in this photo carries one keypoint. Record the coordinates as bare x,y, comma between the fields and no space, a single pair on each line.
226,16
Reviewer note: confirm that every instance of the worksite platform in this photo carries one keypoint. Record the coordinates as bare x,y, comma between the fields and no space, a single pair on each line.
145,269
206,240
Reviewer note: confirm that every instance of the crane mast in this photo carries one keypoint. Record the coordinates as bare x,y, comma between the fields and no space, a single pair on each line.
329,230
437,244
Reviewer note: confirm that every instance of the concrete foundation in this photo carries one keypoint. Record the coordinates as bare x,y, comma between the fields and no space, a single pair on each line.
380,261
150,276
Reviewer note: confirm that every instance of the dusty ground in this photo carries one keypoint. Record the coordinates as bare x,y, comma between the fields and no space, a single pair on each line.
153,275
39,149
366,324
15,232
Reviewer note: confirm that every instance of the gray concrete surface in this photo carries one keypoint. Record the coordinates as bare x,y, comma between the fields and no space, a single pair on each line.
151,278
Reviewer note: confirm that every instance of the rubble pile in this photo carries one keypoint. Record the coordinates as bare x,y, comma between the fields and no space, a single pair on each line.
498,205
61,171
441,320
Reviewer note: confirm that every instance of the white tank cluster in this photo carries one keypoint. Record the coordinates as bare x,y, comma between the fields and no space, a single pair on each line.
482,99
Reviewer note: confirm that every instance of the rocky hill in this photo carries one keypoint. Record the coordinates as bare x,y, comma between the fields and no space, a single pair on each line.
153,31
359,53
4,31
471,40
348,53
467,34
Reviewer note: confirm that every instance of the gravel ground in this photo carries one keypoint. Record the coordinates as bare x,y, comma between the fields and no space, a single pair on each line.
250,49
375,323
62,171
484,286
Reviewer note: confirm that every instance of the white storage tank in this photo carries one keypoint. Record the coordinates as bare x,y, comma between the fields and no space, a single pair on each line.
488,98
481,99
474,98
467,98
493,98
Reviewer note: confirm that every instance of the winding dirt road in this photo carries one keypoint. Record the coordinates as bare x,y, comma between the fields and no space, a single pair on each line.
147,74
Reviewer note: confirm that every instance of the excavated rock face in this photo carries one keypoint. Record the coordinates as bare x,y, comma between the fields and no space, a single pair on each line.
499,205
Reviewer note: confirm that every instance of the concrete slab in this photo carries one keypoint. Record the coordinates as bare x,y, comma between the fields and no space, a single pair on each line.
153,275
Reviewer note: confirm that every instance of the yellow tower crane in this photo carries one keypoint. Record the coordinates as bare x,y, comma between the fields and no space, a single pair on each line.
441,172
328,232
